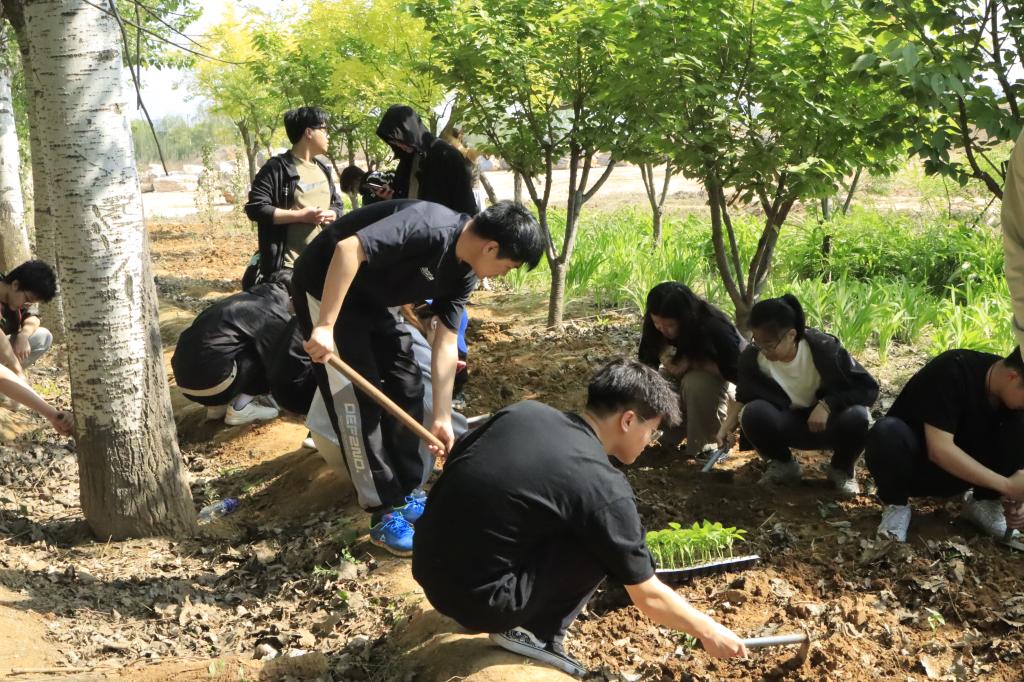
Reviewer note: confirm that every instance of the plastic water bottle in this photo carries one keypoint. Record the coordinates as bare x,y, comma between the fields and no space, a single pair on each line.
217,510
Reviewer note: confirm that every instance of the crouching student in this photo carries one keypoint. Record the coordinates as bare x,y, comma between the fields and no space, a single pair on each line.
707,348
801,389
22,339
13,387
528,517
957,425
221,359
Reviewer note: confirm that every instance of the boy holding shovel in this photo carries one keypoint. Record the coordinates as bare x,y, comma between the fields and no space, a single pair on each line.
345,287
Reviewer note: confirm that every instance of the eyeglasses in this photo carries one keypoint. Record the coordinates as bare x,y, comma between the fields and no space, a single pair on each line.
770,347
656,434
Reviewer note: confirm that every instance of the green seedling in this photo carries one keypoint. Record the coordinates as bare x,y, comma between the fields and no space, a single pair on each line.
935,619
677,547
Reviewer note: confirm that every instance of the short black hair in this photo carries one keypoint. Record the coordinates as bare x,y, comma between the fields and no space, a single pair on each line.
779,315
350,178
297,120
514,228
35,276
1015,362
625,384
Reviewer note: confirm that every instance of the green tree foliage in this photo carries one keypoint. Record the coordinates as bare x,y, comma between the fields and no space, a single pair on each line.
957,64
182,139
758,102
533,74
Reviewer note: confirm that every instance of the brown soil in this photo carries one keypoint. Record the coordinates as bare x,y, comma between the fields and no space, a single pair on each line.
292,569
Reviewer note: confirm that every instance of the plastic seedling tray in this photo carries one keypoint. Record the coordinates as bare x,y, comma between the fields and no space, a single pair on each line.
614,595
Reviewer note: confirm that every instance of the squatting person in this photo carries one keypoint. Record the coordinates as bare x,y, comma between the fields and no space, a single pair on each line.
345,285
22,339
957,426
706,349
529,516
801,389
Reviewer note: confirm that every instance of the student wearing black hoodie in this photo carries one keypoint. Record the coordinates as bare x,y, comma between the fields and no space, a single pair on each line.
800,388
429,168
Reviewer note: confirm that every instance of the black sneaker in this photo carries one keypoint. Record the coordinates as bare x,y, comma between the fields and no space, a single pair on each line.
521,641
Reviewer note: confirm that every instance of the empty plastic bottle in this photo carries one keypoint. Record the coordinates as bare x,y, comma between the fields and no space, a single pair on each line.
217,510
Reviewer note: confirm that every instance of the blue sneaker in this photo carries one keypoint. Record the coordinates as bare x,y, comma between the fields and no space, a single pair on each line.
394,534
419,494
413,508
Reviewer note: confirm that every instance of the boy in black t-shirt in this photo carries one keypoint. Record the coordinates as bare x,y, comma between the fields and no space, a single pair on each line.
22,339
528,517
345,287
957,425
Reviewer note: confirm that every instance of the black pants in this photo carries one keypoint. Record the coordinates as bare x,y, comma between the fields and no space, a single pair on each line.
896,457
773,432
545,597
382,455
250,376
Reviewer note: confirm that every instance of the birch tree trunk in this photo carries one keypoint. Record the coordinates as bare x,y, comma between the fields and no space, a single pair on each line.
45,230
132,480
14,248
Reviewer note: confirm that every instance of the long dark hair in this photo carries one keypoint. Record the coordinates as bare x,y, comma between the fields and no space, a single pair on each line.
779,315
694,314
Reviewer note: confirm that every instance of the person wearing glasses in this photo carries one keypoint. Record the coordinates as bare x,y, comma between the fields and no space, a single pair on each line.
529,516
291,197
801,389
705,349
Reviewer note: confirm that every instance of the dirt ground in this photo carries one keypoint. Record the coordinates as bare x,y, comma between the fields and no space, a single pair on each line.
288,587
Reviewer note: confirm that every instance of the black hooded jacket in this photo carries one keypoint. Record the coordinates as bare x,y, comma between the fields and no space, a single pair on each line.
444,177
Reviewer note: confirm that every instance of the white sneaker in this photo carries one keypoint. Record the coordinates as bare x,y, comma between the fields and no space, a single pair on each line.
523,642
845,484
248,414
216,412
309,443
782,473
987,515
895,522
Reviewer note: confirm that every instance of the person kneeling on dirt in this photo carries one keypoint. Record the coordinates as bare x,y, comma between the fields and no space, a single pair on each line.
707,348
22,339
345,285
800,388
528,517
957,426
14,387
221,359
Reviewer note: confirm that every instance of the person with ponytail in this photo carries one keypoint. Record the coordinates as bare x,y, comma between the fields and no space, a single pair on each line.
705,347
801,389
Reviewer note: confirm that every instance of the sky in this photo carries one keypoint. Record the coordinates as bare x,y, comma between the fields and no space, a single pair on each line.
165,91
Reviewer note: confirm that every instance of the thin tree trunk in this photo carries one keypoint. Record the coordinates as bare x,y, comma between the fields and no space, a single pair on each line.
488,188
826,209
131,476
250,148
517,187
14,248
853,188
656,199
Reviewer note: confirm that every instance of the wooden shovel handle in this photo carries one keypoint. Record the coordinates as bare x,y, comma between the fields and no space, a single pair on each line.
384,401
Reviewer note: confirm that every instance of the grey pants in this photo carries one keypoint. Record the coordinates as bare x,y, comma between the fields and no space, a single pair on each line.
704,398
39,343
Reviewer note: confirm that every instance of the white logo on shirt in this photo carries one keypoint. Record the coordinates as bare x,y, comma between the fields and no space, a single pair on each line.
425,271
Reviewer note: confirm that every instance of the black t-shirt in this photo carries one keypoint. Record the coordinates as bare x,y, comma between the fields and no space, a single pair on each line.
249,320
531,475
11,319
410,257
950,394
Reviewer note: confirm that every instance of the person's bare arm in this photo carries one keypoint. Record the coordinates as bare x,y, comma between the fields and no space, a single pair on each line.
348,257
948,456
660,603
443,359
20,343
8,358
16,389
287,216
731,421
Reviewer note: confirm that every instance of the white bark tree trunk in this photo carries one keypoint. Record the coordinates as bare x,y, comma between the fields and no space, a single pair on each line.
14,248
132,479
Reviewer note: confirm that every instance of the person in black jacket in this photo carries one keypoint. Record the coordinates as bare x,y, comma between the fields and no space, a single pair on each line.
428,168
293,195
800,388
706,347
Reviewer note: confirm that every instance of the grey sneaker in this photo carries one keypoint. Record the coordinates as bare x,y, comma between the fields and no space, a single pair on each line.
845,484
521,641
782,473
895,522
987,515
